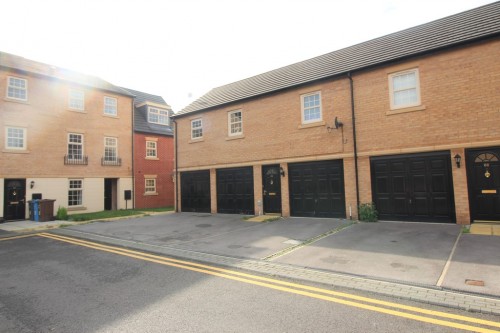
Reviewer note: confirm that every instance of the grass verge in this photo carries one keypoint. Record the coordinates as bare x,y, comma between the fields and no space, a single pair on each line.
106,214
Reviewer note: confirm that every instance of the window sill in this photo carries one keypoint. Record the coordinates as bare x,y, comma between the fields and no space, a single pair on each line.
235,137
15,151
111,116
150,194
16,100
77,111
77,208
405,110
315,124
152,158
196,140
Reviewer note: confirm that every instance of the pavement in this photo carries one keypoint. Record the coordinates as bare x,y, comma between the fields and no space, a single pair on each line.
426,262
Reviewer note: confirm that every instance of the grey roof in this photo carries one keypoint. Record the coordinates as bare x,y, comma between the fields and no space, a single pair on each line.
18,63
473,25
141,123
141,97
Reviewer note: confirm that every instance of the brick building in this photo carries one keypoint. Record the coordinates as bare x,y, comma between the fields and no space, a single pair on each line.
64,136
408,121
153,151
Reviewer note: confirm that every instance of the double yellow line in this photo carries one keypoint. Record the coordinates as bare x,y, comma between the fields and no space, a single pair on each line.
390,308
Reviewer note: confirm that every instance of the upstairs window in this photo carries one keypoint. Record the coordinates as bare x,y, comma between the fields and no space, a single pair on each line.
235,123
157,116
110,106
151,151
15,138
77,99
75,146
110,149
311,107
196,129
404,89
17,88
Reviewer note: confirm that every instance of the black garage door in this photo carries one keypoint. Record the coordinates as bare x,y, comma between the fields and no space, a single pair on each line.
195,191
416,187
317,189
235,191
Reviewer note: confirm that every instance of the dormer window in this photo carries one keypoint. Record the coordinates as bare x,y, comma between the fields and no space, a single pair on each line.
157,116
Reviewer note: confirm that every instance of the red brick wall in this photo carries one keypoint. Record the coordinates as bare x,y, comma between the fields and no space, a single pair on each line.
162,168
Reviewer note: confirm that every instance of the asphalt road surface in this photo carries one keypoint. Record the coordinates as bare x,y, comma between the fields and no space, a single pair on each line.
50,283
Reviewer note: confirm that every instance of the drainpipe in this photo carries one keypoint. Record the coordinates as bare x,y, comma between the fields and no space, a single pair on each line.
133,154
176,168
354,140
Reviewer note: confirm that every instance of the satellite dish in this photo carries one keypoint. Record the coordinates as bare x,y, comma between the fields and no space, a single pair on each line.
338,123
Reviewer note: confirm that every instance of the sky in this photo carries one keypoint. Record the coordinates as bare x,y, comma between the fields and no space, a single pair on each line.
180,49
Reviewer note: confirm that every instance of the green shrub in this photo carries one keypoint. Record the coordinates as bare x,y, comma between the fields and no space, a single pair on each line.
62,213
367,212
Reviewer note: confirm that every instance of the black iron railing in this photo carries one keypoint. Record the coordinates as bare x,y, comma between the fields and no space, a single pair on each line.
111,162
72,160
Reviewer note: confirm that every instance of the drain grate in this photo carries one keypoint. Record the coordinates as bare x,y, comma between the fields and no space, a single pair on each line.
477,283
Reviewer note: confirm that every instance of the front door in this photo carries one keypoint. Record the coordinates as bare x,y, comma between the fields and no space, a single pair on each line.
271,184
110,194
483,175
15,200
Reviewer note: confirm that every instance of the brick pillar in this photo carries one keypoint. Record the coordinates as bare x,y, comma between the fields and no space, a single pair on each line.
285,194
257,190
460,187
213,191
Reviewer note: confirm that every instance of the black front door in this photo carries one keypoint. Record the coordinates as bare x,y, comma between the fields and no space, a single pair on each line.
15,201
271,184
416,187
483,175
108,194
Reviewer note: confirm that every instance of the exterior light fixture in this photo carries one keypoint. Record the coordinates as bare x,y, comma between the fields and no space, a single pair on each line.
32,184
282,172
458,159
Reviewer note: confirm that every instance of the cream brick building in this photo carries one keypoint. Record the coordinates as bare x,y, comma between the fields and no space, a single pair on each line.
408,121
65,136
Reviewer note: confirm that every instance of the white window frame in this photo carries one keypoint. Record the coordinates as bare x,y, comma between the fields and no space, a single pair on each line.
151,149
416,88
78,191
76,144
110,106
152,187
304,108
230,123
24,138
16,88
195,129
159,114
76,103
113,147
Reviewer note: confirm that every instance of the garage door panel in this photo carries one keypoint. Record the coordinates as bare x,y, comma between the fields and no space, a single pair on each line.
421,187
317,189
195,191
235,191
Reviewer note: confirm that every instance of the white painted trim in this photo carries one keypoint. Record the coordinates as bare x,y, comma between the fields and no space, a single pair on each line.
417,88
240,133
199,127
8,85
302,109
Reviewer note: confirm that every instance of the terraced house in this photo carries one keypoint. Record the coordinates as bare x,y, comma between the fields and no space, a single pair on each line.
408,121
65,136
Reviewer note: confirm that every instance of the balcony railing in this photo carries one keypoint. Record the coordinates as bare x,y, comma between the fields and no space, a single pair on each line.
81,160
111,162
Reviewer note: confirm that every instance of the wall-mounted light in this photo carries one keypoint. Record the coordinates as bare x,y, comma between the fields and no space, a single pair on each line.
458,159
32,184
282,172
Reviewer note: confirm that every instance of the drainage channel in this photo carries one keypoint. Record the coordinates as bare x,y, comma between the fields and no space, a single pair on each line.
297,244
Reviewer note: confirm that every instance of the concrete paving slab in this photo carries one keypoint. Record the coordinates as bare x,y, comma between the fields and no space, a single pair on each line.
409,252
481,229
265,240
476,258
496,230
